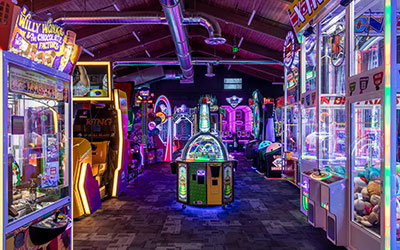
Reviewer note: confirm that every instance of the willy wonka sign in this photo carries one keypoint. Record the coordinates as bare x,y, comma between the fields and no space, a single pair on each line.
47,43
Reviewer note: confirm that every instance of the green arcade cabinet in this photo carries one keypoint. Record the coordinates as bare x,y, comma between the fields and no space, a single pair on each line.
204,172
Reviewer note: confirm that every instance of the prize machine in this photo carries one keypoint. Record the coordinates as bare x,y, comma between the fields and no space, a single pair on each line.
161,129
216,114
100,130
236,125
183,128
278,117
291,117
266,156
205,172
144,135
323,185
36,128
372,118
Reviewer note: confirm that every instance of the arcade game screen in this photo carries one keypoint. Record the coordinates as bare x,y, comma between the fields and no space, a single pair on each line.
90,80
36,144
183,129
204,148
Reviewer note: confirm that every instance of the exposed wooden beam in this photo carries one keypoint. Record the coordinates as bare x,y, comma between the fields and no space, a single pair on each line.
41,5
96,30
166,51
260,25
129,44
206,50
246,45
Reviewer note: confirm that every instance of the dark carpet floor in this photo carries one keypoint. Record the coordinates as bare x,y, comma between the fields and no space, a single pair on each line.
265,215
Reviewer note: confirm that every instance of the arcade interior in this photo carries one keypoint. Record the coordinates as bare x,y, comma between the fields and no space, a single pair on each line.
200,124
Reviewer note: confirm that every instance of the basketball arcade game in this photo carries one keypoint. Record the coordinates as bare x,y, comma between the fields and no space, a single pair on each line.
100,137
205,172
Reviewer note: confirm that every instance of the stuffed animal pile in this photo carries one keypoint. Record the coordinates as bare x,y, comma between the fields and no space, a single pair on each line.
367,197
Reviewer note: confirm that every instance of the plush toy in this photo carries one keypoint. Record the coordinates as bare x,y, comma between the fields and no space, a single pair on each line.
359,207
374,187
375,199
369,173
365,193
358,184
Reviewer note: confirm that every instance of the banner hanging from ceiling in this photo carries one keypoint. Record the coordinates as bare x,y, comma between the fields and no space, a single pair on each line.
47,42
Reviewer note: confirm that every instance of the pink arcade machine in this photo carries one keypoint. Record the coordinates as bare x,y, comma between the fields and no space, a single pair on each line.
236,125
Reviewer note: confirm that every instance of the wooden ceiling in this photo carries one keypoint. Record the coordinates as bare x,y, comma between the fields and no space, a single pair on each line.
262,39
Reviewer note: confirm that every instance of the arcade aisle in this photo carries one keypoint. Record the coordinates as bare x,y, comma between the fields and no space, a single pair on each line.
265,215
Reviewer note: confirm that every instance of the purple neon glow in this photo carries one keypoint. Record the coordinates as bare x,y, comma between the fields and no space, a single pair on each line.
230,122
201,172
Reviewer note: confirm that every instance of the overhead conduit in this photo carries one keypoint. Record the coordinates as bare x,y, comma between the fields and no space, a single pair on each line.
173,18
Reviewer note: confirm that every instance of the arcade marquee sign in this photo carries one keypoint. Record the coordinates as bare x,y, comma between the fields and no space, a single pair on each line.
302,11
47,42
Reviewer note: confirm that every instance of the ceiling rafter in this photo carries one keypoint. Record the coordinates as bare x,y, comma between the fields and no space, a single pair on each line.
129,44
246,45
208,51
260,25
40,6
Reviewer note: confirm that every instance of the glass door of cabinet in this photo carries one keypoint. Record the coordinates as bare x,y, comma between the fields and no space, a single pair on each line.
365,163
309,134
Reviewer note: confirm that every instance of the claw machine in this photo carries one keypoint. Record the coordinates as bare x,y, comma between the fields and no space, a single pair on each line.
372,118
308,109
291,109
36,128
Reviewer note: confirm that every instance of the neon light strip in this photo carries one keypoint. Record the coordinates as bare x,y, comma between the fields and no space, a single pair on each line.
55,120
2,79
120,143
387,134
82,193
168,149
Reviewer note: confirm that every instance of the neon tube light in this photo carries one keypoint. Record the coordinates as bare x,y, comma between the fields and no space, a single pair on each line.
387,130
168,148
120,142
1,154
82,193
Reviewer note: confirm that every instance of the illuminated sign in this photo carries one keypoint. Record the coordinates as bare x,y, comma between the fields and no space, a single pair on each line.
288,50
302,11
44,42
162,116
234,101
204,118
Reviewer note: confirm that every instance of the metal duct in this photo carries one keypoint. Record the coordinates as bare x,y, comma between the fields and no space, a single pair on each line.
173,14
195,61
109,18
210,23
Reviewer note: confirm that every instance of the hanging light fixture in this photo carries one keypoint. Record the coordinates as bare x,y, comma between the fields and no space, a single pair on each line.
210,72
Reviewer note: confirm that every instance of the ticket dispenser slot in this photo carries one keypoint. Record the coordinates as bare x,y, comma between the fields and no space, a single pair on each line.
214,184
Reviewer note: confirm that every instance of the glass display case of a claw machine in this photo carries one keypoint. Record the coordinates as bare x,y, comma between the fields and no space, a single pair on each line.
36,128
308,129
205,172
371,169
291,117
326,182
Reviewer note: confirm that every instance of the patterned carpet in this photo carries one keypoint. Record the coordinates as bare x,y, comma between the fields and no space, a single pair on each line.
265,215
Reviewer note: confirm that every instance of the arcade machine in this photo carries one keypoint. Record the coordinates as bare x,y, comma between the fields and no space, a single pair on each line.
183,127
372,116
36,128
323,183
216,114
144,142
278,117
236,125
100,130
291,118
205,172
163,122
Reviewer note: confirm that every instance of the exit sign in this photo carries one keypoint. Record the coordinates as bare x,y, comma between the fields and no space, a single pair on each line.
235,49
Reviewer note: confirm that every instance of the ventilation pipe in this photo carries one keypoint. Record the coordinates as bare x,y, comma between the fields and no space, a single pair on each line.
173,14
